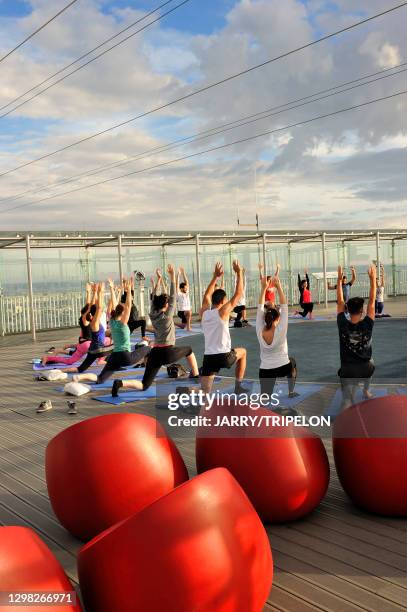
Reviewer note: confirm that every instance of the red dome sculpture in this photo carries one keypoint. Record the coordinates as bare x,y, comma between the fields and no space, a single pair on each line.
370,452
201,547
101,470
283,469
28,566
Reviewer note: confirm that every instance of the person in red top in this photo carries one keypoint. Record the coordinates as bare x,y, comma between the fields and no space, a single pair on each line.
306,302
270,295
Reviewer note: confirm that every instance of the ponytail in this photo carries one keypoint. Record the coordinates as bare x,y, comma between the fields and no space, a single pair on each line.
272,314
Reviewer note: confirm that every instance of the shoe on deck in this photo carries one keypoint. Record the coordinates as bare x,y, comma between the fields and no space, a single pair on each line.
72,409
44,406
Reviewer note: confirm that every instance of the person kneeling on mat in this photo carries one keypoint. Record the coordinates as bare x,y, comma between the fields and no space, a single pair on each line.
183,301
355,339
240,308
164,351
271,329
215,313
306,302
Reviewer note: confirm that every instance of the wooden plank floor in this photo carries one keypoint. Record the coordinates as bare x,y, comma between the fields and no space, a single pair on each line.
337,559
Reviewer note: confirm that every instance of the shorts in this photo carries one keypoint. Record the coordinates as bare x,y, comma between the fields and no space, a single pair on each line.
238,309
359,370
181,314
213,363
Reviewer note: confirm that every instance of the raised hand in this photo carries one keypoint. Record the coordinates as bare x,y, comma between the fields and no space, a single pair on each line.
110,283
171,270
218,272
237,268
158,273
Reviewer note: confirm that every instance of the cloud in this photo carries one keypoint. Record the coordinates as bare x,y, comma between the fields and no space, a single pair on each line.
330,173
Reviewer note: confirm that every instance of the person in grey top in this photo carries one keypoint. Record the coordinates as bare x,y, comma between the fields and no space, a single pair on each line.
164,351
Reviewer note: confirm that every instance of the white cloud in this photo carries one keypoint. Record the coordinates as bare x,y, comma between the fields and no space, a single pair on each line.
314,176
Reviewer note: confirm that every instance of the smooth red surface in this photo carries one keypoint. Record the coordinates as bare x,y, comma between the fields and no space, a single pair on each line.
27,564
101,470
370,451
283,470
201,547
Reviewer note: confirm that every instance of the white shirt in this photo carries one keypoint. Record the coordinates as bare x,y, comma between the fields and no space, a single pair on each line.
273,355
183,301
216,333
380,294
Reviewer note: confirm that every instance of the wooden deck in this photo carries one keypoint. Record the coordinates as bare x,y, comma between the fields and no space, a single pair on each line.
336,559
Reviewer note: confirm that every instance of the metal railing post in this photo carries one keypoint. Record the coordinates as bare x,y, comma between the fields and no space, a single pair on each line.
198,271
323,237
30,288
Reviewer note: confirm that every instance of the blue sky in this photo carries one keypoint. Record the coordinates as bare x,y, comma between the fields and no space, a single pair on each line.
197,17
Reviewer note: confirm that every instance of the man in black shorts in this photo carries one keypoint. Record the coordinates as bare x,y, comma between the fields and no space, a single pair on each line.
215,313
355,340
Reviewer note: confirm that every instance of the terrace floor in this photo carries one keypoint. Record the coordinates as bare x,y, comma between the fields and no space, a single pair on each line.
338,558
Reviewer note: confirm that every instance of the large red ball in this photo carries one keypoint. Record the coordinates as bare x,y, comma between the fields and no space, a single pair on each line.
27,565
201,547
101,470
370,451
283,469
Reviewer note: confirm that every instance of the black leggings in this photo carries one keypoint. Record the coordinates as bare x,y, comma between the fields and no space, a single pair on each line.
351,374
91,358
239,310
306,308
162,355
268,377
122,359
139,323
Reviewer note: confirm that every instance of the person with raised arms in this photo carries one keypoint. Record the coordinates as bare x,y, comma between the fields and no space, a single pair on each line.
355,340
164,351
306,302
346,285
215,312
270,295
183,301
271,330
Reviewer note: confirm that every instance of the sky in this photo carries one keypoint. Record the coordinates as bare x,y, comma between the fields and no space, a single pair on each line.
343,171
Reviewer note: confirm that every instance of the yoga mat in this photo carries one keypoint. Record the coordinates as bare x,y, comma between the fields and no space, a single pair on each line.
59,366
127,397
108,383
335,407
304,391
316,318
402,390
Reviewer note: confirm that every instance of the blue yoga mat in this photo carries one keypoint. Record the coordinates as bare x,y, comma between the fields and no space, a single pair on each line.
402,390
292,318
304,391
127,397
335,406
37,367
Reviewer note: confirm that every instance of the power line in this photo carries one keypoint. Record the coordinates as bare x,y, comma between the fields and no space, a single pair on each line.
220,129
44,25
206,88
86,55
212,149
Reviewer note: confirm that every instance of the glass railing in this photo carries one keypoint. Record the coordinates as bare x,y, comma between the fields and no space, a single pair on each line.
62,309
